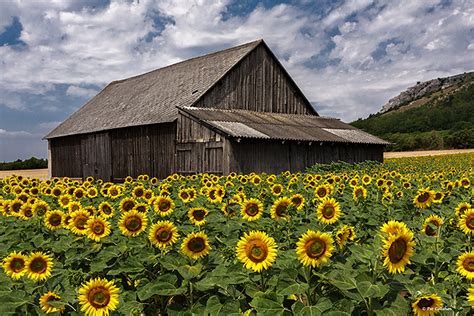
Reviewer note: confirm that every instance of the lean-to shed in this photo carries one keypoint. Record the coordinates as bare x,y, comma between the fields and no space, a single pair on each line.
233,110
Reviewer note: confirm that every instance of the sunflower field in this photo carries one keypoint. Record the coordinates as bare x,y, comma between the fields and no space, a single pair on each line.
370,239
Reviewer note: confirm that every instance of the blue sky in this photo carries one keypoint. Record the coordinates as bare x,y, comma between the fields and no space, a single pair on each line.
348,57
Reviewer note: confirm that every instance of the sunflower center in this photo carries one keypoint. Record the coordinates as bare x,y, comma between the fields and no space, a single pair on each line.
164,205
251,209
38,265
296,201
98,228
197,244
17,264
423,197
55,220
80,222
277,189
163,235
281,209
358,192
470,223
40,211
257,251
28,212
99,297
438,196
430,229
133,223
315,248
321,192
106,209
128,205
199,214
328,211
184,195
138,192
212,194
468,264
425,302
397,250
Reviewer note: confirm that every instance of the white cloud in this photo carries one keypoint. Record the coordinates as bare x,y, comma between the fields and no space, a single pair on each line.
71,43
76,91
15,134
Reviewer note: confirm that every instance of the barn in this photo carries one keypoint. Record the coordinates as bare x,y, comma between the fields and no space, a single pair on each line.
232,110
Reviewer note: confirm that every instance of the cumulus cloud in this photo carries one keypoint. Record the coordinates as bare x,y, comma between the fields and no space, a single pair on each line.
76,91
348,62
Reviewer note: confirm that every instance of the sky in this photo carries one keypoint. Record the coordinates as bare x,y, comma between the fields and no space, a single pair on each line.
349,57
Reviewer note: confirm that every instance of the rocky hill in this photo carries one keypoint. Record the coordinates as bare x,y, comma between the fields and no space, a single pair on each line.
424,91
435,114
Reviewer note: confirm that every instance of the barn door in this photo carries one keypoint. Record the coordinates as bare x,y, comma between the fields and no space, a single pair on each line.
213,155
185,164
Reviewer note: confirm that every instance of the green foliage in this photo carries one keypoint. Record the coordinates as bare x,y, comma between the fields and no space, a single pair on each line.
32,163
439,124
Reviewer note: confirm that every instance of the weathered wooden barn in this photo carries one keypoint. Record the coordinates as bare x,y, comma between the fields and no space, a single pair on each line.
233,110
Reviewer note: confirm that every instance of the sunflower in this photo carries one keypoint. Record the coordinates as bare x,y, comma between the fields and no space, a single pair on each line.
132,223
322,191
256,250
196,245
343,234
277,189
214,195
465,265
438,197
127,204
394,228
470,297
138,192
98,297
358,193
46,298
114,191
251,209
328,211
280,208
366,179
78,222
79,193
15,206
106,210
431,225
298,201
163,205
397,250
40,208
97,228
314,248
26,211
15,265
163,234
423,198
465,183
53,220
197,215
426,305
74,206
466,222
461,208
39,266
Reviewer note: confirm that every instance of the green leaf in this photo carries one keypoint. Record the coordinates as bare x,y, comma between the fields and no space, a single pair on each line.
213,306
189,272
288,287
158,288
268,304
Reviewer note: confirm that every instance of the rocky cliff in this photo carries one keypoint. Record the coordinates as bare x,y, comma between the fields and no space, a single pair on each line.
423,89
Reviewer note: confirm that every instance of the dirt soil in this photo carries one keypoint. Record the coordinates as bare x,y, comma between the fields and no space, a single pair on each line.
29,173
401,154
43,173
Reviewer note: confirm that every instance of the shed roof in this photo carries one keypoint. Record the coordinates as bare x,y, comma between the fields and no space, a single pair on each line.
151,98
264,125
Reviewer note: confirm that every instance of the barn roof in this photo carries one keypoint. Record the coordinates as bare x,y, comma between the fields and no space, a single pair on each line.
151,98
264,125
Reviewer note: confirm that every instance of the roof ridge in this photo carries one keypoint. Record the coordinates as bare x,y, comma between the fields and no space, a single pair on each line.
256,42
191,108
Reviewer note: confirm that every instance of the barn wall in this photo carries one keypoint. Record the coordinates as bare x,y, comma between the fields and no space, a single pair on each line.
257,83
145,149
115,154
275,156
66,157
198,149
